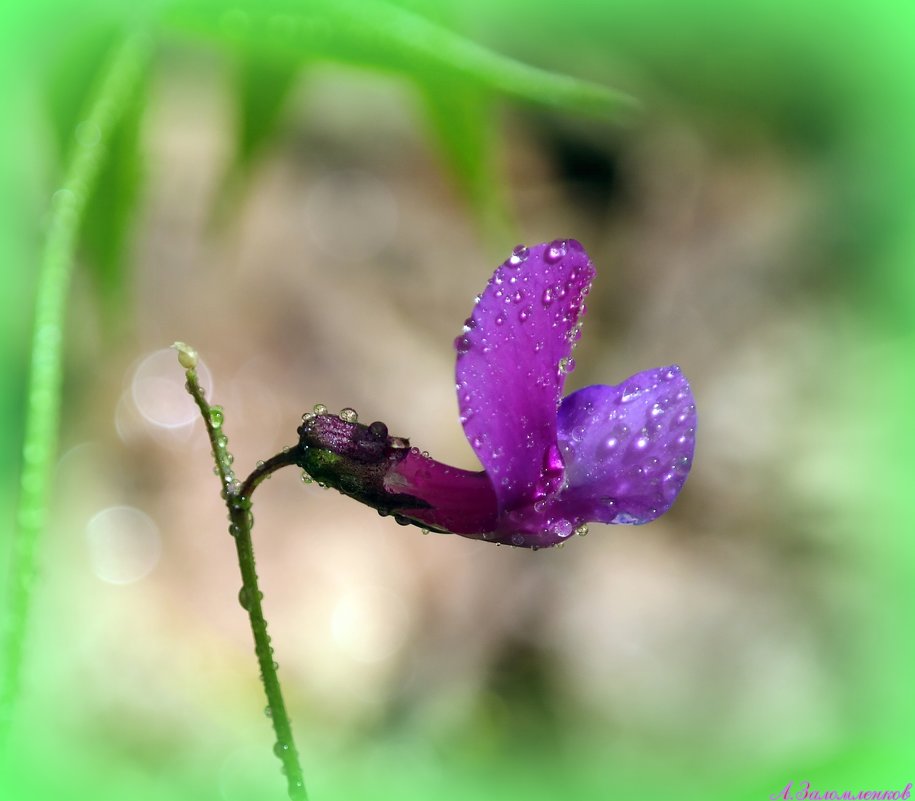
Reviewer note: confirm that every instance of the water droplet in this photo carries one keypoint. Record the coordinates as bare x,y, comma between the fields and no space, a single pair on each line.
378,430
566,364
525,314
462,345
563,528
424,531
517,539
538,346
641,443
268,712
547,296
519,255
477,300
216,416
348,415
657,410
630,393
625,519
581,530
308,417
280,749
500,318
555,251
469,324
307,479
245,597
518,296
320,408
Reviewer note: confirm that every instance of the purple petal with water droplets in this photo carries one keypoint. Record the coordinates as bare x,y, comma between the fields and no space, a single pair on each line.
509,378
627,448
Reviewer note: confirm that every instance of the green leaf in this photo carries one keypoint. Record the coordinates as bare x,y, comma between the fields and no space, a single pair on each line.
261,88
383,36
462,121
104,234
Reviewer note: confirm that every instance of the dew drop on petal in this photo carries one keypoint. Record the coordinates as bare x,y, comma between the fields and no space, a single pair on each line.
547,297
525,313
581,530
630,393
320,408
461,345
519,255
500,318
349,415
563,528
555,251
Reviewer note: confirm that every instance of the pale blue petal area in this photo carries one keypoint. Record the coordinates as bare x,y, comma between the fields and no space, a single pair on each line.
627,448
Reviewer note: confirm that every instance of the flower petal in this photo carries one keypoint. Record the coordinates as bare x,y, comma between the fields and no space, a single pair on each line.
509,378
458,501
628,448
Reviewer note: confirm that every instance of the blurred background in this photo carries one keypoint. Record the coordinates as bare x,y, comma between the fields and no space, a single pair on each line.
312,196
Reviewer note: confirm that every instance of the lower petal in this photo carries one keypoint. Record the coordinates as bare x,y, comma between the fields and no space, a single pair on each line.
627,448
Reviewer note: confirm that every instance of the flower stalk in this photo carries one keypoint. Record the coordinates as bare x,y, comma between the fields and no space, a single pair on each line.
238,498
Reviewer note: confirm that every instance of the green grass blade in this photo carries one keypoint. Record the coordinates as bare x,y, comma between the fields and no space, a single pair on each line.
383,36
461,119
43,402
261,89
105,229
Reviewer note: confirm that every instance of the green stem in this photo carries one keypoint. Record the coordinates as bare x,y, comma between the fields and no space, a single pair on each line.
238,501
43,394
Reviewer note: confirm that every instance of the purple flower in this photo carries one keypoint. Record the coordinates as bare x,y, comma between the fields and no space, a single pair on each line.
611,454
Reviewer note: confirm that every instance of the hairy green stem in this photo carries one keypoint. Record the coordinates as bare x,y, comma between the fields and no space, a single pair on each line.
238,497
44,388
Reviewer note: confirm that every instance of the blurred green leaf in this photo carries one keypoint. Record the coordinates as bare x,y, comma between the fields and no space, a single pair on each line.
458,79
382,36
105,231
461,120
261,89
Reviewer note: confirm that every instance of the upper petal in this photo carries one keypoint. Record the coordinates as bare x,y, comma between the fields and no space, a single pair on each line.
627,448
511,369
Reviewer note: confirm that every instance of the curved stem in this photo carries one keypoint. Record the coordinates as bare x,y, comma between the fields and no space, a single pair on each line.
43,399
238,501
